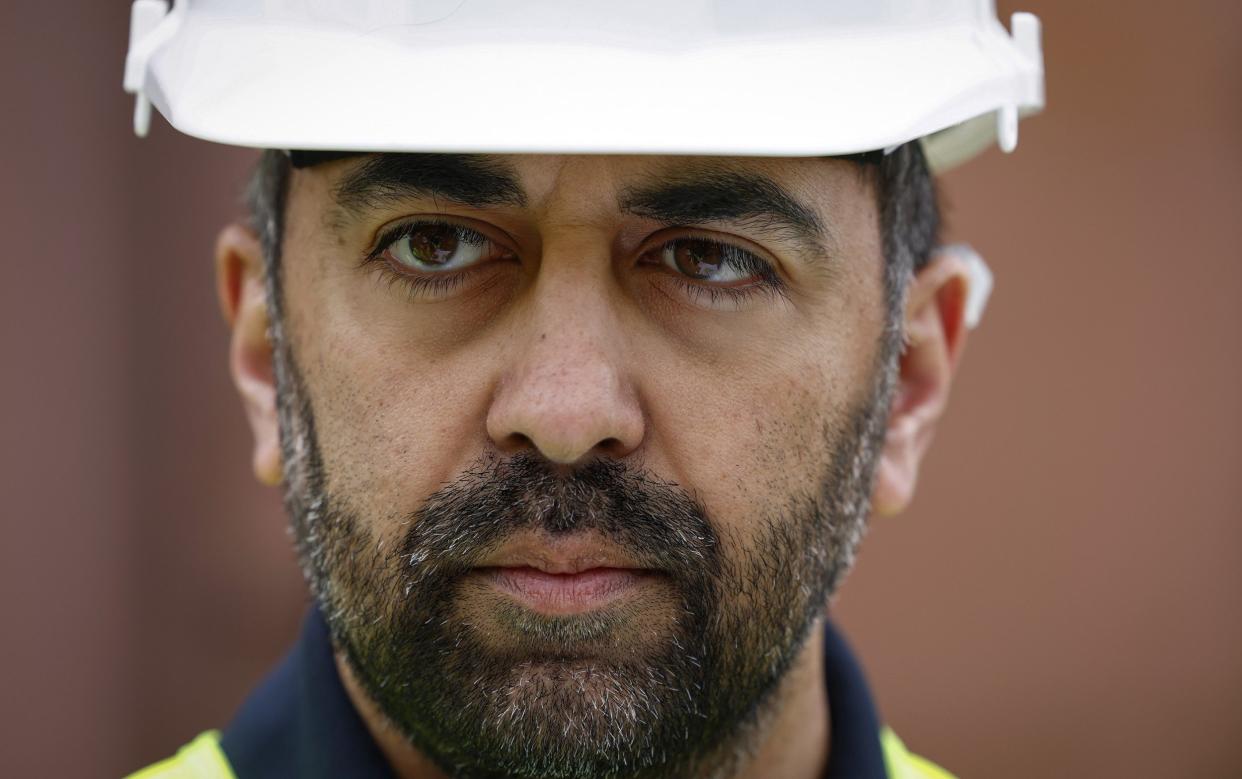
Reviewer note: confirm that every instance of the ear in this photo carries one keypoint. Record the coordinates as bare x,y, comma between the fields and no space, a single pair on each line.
935,335
243,301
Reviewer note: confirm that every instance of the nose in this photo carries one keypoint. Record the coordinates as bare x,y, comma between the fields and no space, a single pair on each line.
565,391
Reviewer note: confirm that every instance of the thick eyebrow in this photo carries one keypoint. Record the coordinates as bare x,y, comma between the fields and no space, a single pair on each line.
701,196
471,180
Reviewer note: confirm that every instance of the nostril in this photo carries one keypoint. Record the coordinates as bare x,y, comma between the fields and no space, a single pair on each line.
517,442
566,424
612,446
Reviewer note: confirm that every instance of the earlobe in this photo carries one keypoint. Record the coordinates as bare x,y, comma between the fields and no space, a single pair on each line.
935,335
243,302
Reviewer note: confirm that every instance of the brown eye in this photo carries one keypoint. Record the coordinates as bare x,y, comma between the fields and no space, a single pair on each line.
714,261
438,247
697,259
433,245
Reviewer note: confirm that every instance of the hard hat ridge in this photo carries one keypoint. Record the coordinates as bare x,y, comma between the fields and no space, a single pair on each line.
553,76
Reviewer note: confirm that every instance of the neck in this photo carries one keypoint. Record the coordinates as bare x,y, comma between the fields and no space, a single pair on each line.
789,740
406,761
792,739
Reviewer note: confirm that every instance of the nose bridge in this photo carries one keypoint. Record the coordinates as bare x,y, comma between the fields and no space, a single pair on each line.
573,351
571,303
566,390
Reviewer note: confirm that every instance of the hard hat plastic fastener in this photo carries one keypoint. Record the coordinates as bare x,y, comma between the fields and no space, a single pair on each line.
144,17
1007,128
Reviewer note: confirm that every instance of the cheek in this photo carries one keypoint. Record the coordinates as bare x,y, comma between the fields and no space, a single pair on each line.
394,418
753,435
388,428
760,447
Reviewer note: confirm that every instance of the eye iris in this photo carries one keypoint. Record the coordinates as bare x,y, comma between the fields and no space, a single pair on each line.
433,245
697,259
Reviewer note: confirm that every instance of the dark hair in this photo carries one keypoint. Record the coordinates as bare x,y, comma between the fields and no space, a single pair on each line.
905,192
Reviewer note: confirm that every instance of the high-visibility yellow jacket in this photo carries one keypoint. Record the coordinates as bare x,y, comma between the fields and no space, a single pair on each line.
300,722
202,758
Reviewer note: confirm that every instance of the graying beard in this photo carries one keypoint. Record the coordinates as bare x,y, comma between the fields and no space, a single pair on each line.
830,546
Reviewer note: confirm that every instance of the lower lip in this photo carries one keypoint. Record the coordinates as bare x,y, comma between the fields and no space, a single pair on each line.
566,593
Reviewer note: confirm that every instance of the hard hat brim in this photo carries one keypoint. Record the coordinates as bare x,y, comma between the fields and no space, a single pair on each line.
245,82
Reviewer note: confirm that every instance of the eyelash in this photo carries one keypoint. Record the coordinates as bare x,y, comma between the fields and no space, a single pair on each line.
417,285
768,282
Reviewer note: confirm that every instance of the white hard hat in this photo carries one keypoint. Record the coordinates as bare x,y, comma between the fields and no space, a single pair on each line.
732,77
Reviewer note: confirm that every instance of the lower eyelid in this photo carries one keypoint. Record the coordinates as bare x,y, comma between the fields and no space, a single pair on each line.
420,284
434,287
715,292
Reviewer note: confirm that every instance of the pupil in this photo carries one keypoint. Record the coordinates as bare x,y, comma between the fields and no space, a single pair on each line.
433,246
697,259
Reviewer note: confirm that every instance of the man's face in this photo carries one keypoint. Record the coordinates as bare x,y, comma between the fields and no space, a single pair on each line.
577,447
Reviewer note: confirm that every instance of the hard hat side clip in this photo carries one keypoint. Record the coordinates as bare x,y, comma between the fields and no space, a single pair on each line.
144,17
1007,128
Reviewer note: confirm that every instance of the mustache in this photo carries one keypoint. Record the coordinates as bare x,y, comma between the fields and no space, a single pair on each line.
656,522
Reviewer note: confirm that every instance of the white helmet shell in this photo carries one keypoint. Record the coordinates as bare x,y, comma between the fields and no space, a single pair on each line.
730,77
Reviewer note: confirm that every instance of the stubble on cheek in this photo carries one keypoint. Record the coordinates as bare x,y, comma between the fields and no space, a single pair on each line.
393,421
386,447
803,463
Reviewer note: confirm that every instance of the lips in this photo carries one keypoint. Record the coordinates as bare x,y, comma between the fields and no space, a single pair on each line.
565,593
564,575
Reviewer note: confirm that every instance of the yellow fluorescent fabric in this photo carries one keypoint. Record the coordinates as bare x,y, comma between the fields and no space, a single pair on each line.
203,759
901,764
199,759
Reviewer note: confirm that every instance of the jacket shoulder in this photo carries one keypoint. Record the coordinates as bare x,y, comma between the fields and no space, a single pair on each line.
903,764
202,758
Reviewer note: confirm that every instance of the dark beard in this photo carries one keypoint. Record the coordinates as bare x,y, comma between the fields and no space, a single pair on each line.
584,695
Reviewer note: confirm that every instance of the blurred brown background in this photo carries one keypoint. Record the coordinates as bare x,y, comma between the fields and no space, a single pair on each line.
1063,600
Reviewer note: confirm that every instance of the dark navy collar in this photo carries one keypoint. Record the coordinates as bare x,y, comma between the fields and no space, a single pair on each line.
300,723
855,751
